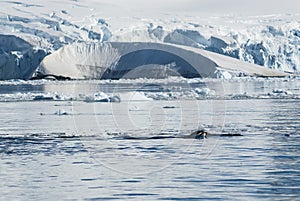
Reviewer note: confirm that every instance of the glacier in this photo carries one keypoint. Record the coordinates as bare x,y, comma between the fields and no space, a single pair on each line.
18,59
40,29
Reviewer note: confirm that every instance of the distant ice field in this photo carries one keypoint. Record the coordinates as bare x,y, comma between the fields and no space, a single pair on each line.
121,106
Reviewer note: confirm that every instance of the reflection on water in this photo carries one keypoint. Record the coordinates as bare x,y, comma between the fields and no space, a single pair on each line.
85,156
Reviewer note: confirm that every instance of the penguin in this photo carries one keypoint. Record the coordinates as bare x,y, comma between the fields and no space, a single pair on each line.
199,134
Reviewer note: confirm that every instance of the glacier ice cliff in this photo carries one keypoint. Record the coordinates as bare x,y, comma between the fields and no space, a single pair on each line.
18,59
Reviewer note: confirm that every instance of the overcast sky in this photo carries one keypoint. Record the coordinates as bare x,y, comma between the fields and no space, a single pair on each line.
216,7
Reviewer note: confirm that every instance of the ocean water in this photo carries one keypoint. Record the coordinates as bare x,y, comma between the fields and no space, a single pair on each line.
65,148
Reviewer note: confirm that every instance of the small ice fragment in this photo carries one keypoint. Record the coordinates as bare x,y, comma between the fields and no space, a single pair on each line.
277,91
61,112
42,97
288,93
115,99
8,17
102,97
222,74
203,91
169,107
281,91
52,14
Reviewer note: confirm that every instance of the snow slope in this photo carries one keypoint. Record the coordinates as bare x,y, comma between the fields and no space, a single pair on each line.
270,40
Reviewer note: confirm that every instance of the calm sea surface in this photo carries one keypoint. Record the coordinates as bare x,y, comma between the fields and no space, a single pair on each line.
71,149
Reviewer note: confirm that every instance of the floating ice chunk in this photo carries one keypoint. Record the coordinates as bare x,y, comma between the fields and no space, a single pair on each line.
288,93
8,17
282,92
58,97
222,74
204,91
245,95
135,96
277,91
52,14
61,112
115,99
100,95
42,97
198,93
103,97
64,12
160,96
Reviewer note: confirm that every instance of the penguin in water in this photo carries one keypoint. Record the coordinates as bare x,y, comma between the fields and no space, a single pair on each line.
199,134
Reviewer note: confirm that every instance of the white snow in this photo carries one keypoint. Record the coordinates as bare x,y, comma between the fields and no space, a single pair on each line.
243,30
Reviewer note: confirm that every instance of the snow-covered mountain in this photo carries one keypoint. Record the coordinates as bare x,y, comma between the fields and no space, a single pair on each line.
40,28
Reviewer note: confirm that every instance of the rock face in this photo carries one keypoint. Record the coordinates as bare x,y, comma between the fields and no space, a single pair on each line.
115,60
18,59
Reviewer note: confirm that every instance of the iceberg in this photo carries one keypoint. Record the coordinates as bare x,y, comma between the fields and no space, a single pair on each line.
115,60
